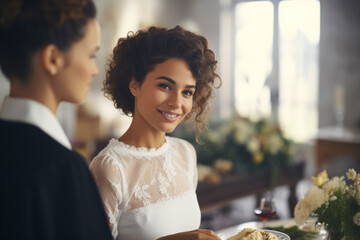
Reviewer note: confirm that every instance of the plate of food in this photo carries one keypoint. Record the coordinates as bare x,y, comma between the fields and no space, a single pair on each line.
252,234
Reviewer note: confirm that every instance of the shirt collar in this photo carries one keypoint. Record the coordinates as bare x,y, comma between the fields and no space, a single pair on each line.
34,113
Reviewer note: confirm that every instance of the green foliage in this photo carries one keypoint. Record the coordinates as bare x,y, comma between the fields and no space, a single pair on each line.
295,233
249,145
337,214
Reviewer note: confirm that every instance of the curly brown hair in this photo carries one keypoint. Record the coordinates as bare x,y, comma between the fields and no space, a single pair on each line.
137,54
28,25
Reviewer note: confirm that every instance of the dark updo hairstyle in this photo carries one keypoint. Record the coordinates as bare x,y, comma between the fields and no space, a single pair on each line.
29,25
137,54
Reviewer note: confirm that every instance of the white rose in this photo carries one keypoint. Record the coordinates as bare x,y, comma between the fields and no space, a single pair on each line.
334,184
302,211
356,219
351,174
315,197
253,145
312,200
243,131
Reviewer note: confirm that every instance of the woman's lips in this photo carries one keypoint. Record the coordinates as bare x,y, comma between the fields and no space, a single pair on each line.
169,116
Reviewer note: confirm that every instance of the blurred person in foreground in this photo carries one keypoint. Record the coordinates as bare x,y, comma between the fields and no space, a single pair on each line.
148,180
47,51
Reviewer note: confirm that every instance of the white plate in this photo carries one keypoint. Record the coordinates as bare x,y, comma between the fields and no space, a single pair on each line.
231,232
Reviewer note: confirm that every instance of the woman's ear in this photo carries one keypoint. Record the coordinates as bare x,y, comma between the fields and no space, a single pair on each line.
133,86
52,59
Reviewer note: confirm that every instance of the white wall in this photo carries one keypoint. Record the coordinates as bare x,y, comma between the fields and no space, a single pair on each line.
339,59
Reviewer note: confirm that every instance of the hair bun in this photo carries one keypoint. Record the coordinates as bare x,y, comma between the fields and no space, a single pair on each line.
9,10
55,12
58,11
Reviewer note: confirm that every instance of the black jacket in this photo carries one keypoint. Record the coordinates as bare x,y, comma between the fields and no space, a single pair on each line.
47,191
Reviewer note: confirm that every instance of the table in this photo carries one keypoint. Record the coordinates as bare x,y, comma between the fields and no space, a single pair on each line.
234,186
333,142
224,233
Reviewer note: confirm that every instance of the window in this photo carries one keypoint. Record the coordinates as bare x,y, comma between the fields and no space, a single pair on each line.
253,58
275,62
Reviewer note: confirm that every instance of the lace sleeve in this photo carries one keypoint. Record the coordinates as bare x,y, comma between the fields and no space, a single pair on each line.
195,166
108,179
191,154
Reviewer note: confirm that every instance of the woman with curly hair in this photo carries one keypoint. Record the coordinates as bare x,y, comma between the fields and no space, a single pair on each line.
47,52
147,180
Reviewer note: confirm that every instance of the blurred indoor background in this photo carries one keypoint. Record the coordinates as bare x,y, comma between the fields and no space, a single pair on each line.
296,62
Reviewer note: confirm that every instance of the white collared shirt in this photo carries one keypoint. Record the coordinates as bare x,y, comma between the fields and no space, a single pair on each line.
34,113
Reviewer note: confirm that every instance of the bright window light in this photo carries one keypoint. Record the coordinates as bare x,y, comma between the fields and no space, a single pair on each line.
299,32
295,50
253,58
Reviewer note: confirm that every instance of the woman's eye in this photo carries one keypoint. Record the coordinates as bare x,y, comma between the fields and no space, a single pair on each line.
164,86
188,93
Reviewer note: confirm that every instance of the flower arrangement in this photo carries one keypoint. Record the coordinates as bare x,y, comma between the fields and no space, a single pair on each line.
335,203
240,145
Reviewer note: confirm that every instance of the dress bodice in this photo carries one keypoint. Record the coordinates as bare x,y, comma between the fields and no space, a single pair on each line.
148,193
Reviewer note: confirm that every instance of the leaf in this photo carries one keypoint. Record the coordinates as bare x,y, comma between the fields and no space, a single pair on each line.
295,233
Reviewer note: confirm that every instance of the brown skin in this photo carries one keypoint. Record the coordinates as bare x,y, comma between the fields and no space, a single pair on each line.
61,76
168,89
198,234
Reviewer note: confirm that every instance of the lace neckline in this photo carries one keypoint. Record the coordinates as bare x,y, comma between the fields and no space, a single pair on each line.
139,151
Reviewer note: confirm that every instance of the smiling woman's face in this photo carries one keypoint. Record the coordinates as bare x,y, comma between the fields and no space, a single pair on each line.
165,97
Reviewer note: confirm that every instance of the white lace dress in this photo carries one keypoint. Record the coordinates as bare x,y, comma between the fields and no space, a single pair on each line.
148,193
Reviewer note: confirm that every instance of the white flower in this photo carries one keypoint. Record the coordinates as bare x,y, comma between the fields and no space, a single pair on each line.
323,200
275,143
240,136
253,145
333,198
214,136
243,131
316,197
334,184
356,219
223,166
351,174
312,200
302,211
203,170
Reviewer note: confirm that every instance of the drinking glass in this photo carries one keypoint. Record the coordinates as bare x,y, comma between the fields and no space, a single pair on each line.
265,209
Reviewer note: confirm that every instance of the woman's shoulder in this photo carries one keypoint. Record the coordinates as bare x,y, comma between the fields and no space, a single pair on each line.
179,142
112,152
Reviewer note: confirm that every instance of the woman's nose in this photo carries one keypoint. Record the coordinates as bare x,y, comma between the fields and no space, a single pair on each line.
174,101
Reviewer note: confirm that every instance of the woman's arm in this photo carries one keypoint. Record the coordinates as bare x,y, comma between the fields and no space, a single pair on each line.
198,234
108,179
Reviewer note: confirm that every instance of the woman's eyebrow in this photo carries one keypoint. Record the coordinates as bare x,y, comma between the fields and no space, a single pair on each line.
173,82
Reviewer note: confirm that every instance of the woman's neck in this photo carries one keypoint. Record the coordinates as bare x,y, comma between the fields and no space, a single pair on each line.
36,92
142,136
